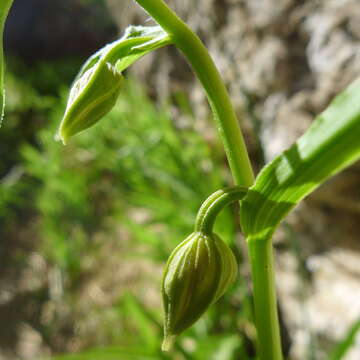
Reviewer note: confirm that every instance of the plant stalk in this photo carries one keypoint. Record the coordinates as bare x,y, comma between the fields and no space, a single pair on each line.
4,10
197,55
266,315
261,256
212,206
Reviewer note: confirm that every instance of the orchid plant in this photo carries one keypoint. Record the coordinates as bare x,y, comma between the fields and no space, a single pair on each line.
202,267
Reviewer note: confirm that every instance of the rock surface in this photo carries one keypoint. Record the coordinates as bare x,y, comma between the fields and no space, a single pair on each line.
283,60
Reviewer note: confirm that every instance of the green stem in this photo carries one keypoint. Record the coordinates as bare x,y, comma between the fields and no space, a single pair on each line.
214,204
227,123
266,316
4,10
197,55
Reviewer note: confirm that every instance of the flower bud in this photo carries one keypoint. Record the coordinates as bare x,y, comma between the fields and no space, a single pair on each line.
91,97
197,274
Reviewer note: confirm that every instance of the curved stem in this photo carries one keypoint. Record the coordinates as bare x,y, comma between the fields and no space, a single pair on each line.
260,252
197,55
211,207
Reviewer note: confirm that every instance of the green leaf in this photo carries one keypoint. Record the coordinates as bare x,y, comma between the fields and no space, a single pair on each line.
345,345
330,144
4,9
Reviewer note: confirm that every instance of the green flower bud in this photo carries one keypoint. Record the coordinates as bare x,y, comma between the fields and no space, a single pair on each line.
197,274
91,97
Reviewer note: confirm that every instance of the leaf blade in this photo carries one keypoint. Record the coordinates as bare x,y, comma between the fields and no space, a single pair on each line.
330,144
347,343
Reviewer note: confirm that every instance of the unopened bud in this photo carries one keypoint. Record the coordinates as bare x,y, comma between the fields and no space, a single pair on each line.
91,97
197,274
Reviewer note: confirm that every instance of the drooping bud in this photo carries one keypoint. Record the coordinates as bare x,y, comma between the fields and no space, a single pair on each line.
197,274
97,85
91,97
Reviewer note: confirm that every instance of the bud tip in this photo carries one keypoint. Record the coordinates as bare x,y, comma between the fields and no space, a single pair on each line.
168,342
60,137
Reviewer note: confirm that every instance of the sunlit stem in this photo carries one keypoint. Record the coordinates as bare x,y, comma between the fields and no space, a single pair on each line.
228,126
4,10
197,55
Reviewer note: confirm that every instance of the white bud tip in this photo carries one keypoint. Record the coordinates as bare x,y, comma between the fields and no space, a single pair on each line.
59,137
168,342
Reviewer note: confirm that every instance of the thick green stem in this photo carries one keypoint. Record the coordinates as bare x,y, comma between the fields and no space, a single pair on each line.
197,55
211,207
266,316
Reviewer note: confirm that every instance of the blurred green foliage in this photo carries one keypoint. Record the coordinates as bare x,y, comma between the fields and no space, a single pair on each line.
136,170
134,159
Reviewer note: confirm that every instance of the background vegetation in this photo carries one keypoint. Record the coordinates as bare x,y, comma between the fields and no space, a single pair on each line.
104,212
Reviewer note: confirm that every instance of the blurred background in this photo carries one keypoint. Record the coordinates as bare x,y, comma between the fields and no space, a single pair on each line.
86,229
